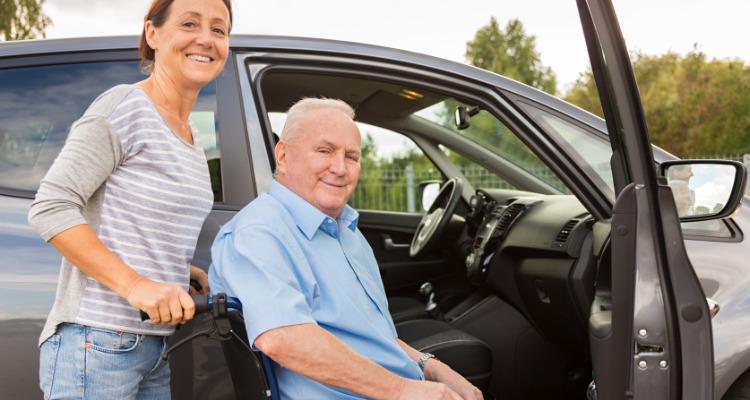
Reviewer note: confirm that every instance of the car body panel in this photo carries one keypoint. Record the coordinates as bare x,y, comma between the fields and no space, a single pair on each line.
29,267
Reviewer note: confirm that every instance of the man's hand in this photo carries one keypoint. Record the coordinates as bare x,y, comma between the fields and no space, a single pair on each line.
200,276
428,391
165,303
436,371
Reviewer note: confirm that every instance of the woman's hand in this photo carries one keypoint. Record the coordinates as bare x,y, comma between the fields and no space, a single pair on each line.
165,303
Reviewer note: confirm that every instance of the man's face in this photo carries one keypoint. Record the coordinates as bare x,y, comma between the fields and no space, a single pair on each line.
321,165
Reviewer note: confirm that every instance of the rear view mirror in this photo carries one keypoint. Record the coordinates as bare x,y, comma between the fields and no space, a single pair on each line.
705,189
463,116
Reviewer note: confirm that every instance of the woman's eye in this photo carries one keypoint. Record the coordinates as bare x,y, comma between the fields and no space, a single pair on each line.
219,31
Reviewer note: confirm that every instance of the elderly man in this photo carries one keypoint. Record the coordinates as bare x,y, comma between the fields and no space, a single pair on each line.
309,281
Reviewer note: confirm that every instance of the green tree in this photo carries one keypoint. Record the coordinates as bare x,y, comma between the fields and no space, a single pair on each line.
22,19
701,210
694,107
512,53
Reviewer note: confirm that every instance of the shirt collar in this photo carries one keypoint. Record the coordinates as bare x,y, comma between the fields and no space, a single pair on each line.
308,218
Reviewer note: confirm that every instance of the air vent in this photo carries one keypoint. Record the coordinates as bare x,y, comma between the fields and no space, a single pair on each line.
510,215
562,237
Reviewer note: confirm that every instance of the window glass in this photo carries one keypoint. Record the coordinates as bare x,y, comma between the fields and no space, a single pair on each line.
477,175
204,117
391,168
591,153
38,106
492,134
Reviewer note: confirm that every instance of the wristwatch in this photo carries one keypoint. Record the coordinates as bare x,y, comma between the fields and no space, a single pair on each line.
423,360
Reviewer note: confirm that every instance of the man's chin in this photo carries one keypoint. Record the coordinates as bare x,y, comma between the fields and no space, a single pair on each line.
331,208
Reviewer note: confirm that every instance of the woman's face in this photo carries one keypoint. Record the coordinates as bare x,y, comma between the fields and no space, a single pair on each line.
191,46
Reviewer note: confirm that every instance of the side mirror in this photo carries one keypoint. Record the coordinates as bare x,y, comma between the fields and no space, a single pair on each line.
428,191
705,189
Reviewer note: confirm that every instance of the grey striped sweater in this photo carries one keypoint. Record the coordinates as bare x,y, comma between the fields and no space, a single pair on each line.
141,188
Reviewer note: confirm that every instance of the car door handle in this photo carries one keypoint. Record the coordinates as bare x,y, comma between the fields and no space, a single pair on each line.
389,245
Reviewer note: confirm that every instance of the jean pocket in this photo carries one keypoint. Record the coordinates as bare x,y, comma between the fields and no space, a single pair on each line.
48,352
109,341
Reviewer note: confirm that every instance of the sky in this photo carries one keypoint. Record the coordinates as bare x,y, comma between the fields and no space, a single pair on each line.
441,27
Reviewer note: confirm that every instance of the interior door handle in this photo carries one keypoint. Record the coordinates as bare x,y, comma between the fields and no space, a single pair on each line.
389,245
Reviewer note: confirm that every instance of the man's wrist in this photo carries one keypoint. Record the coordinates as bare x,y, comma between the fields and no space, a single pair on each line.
424,358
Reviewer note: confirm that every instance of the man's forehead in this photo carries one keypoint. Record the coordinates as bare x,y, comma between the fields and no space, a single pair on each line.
350,142
325,131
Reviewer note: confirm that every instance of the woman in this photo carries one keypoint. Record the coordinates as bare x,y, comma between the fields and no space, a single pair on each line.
124,203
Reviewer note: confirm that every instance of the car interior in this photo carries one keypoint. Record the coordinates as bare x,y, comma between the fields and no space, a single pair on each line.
501,285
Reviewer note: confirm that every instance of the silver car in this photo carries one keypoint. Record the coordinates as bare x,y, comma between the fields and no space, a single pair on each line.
551,236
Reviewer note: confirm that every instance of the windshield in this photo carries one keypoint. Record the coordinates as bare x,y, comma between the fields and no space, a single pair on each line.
493,135
590,152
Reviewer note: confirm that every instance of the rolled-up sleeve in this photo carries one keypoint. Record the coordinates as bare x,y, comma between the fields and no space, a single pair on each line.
90,154
258,265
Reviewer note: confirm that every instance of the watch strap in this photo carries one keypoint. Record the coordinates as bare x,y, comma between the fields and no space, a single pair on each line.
423,360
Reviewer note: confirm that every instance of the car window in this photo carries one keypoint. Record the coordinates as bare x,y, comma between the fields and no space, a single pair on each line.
392,166
591,153
204,117
38,106
489,132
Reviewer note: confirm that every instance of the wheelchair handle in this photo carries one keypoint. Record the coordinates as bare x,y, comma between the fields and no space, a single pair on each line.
205,303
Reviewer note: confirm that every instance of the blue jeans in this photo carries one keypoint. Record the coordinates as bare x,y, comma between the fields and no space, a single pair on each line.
81,362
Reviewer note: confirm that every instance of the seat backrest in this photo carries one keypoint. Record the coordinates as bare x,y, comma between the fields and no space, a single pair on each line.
251,372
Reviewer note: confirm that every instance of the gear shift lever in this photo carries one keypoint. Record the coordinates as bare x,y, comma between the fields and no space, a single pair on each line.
432,309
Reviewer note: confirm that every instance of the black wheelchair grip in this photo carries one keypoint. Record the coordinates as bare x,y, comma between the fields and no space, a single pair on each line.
201,305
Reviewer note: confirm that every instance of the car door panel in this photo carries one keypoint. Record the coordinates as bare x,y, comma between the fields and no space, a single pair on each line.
390,234
657,302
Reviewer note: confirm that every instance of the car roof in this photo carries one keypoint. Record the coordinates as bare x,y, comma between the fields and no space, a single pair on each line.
303,44
362,51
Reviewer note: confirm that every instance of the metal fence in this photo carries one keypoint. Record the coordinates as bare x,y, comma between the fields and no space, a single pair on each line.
395,189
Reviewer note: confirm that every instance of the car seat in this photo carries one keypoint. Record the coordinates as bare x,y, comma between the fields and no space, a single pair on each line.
404,309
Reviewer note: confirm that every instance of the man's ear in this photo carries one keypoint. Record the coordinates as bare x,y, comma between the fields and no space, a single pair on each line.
280,154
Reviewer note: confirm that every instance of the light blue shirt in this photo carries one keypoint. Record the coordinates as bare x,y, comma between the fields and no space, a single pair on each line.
289,263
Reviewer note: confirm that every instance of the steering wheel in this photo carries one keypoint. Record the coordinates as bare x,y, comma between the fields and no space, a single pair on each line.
435,220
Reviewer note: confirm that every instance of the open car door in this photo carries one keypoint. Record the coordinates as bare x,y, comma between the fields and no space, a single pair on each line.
650,330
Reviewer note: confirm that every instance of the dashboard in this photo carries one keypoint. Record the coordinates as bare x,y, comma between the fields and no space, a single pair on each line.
535,252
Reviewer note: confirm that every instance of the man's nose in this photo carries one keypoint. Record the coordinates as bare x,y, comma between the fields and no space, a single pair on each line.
338,165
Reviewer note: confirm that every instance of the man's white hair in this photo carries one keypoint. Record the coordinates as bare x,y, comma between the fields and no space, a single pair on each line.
297,113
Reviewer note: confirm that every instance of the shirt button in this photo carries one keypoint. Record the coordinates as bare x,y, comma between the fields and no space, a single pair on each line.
330,221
